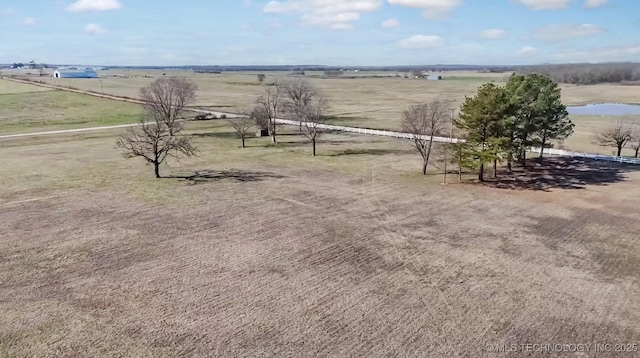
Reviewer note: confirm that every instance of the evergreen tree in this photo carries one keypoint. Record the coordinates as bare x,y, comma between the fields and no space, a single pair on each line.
483,118
538,114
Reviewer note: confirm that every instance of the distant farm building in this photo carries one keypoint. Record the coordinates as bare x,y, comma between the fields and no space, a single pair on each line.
434,77
75,74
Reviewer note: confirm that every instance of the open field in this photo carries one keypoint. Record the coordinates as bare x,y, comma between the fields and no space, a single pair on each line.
268,251
9,87
52,110
366,102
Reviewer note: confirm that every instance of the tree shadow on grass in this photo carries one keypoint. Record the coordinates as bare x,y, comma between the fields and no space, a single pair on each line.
562,173
208,175
369,151
222,135
302,143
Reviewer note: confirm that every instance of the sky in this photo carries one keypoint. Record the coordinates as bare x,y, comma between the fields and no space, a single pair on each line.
321,32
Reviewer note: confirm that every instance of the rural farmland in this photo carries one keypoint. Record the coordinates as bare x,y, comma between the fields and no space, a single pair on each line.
370,102
267,251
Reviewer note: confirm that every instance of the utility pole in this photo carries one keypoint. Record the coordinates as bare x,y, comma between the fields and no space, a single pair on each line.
446,152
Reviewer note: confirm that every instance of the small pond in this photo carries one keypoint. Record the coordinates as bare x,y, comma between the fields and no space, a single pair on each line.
605,109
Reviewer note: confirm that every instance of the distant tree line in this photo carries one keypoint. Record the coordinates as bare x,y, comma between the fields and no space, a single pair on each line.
588,74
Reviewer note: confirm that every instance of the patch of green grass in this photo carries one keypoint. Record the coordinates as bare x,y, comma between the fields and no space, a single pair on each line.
7,87
54,110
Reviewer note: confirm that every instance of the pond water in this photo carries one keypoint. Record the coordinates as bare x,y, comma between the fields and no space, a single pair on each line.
605,109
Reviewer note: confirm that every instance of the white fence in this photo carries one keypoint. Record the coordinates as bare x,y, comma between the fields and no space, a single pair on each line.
366,131
377,132
606,158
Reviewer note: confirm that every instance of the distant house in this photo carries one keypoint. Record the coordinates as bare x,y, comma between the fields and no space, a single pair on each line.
434,77
75,74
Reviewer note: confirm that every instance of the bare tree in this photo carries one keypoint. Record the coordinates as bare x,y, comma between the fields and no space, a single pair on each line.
298,93
242,126
261,77
423,122
152,142
165,99
635,141
312,118
617,135
269,105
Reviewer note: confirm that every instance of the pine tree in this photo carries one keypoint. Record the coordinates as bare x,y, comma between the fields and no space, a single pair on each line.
538,113
483,118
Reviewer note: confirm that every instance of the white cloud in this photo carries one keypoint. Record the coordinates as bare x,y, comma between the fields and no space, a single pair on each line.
7,12
391,23
417,42
94,5
592,4
566,31
30,21
94,29
331,14
526,50
493,34
432,9
545,4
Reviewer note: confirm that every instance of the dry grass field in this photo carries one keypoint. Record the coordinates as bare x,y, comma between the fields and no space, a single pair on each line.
41,109
373,102
269,252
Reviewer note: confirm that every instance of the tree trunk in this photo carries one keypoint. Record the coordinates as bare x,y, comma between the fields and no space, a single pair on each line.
156,169
242,141
481,173
637,150
509,165
542,144
273,131
426,159
619,150
495,168
313,143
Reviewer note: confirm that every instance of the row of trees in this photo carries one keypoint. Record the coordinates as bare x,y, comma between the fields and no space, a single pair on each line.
501,123
586,74
498,124
295,99
155,138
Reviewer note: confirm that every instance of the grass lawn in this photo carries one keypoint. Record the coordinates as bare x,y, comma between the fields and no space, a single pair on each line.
7,87
267,251
53,110
373,102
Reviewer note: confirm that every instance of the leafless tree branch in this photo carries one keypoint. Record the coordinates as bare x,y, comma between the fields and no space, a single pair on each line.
423,122
152,142
165,100
617,135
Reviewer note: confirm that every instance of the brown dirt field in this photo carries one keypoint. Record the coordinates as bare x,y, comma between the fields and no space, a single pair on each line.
273,253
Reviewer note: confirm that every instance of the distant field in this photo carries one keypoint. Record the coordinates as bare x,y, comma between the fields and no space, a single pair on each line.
586,126
8,87
272,252
365,101
52,110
